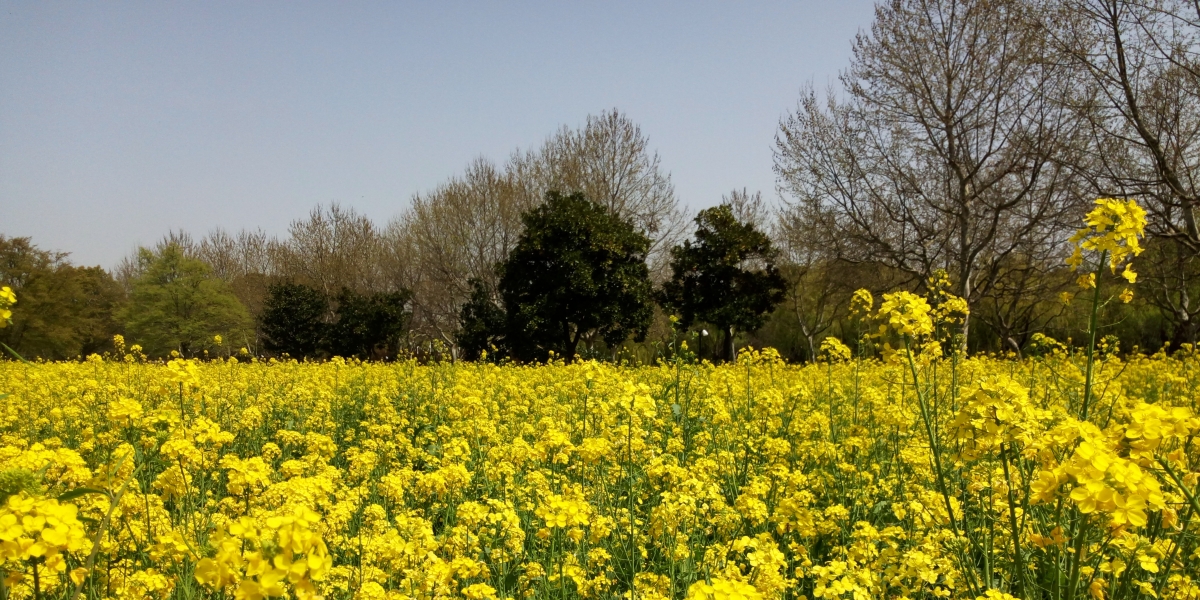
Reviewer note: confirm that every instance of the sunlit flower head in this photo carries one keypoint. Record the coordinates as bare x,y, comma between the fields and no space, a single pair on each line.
906,313
1113,227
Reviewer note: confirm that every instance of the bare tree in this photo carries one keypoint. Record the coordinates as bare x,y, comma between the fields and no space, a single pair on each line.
1170,274
819,283
610,162
1140,60
333,248
243,260
1023,299
235,255
1139,64
749,208
458,232
815,294
943,154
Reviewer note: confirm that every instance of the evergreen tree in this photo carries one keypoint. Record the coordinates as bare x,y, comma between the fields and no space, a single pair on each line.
577,270
727,277
293,320
369,325
481,324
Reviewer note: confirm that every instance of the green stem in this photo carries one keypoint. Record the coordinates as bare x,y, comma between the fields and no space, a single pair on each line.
1170,562
1191,496
1091,351
113,501
1076,566
1018,560
633,550
937,461
933,445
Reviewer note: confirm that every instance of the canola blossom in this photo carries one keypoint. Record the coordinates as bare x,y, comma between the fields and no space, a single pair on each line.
7,299
756,480
1114,229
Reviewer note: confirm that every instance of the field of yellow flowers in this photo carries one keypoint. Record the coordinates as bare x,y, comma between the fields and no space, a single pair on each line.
253,479
903,469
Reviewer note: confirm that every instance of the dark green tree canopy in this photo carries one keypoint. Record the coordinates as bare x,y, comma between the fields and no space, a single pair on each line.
577,270
178,304
369,325
481,323
294,320
727,277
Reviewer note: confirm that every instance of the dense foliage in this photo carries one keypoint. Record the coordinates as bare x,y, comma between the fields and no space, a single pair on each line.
177,304
65,310
368,325
727,277
577,271
482,323
293,320
299,321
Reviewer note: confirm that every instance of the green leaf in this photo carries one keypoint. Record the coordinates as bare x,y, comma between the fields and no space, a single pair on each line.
14,353
78,492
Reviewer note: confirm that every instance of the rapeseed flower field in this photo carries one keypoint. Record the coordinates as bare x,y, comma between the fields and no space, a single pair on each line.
250,479
896,467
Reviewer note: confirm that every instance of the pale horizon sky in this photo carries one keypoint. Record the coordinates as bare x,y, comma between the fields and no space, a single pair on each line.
121,121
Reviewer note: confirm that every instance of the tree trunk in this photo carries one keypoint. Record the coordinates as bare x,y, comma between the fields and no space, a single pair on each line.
729,351
1184,331
572,343
566,348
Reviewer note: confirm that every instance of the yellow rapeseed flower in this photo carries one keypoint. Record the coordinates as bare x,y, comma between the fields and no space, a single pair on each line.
7,299
722,589
754,479
1115,227
907,314
834,350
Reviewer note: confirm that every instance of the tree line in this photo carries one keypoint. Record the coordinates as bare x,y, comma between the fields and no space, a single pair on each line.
965,138
577,275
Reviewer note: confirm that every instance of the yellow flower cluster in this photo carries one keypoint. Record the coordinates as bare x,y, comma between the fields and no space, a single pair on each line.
948,307
39,534
862,303
1156,430
906,314
264,557
722,589
971,477
997,417
7,299
1114,227
561,513
1099,478
834,350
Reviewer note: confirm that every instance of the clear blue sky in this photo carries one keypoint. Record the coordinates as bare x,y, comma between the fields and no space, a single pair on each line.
120,121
